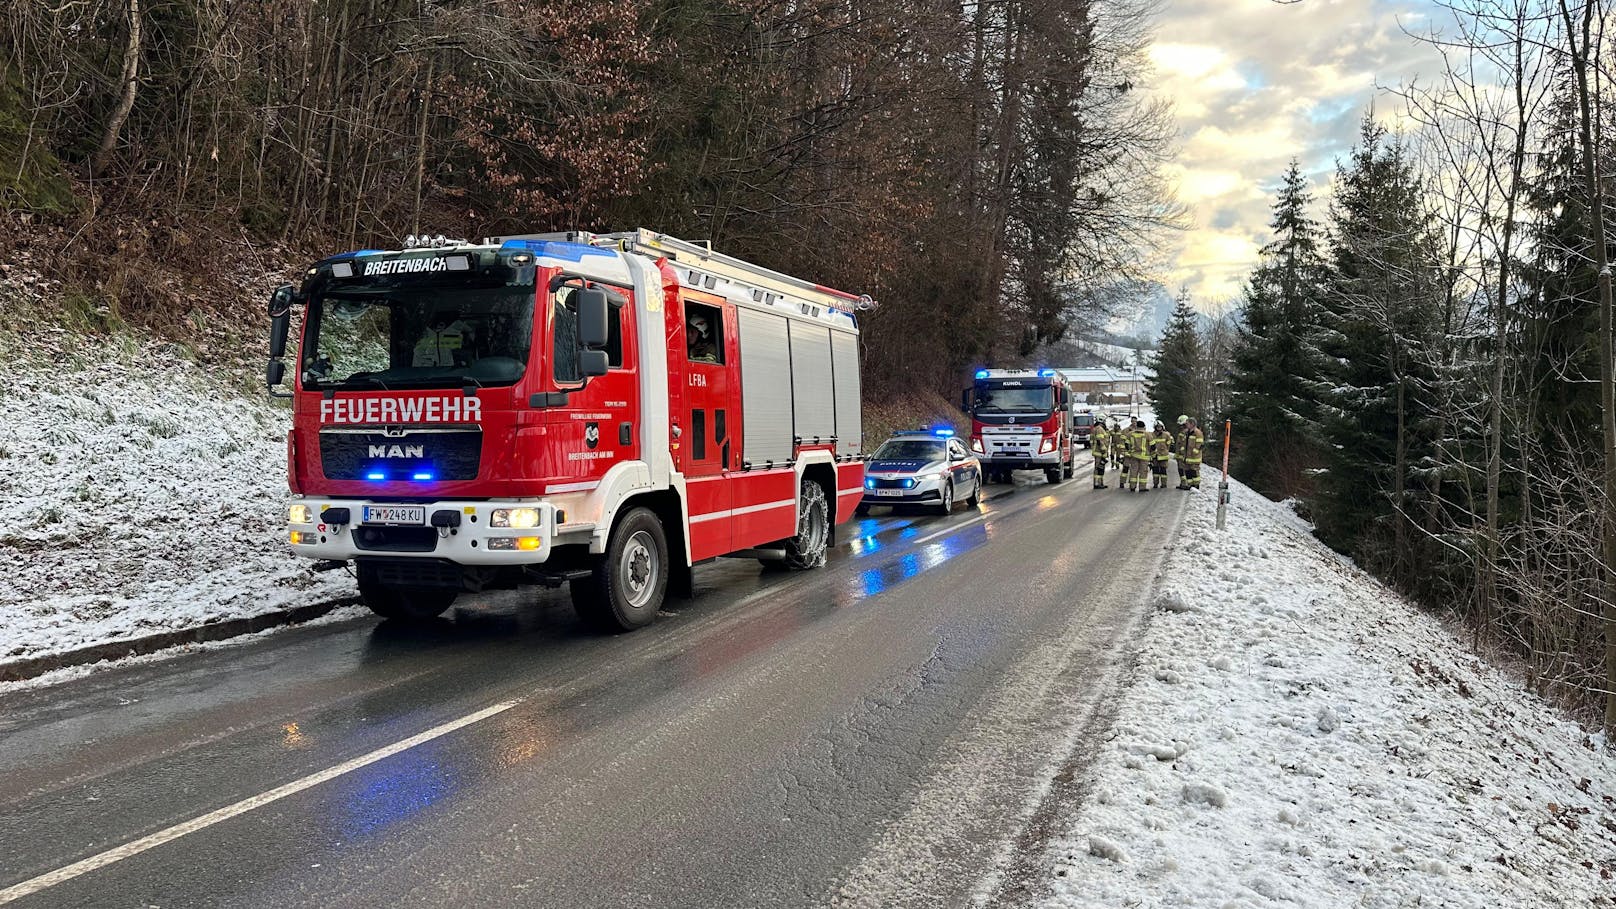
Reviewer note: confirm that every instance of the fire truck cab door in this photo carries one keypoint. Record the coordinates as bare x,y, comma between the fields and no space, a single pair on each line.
598,427
711,441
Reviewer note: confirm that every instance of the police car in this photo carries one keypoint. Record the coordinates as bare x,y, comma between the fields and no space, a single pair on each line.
925,467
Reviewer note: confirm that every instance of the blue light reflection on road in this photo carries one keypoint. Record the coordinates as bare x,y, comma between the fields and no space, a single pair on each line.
877,580
381,794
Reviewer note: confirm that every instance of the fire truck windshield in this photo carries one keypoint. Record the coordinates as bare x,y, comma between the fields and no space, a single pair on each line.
417,334
998,398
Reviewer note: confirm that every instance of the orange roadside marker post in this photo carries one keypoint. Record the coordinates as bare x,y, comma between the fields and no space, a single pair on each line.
1223,482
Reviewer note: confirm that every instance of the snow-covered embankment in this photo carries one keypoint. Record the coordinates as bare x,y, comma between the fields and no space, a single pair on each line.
139,494
1295,734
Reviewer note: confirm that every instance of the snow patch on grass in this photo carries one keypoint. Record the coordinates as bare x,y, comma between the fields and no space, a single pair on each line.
138,494
1330,745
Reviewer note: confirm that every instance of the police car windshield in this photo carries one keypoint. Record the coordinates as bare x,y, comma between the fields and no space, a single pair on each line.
420,335
1014,398
910,450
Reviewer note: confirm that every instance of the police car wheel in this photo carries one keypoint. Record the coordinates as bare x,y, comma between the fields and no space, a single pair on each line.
625,588
946,506
975,498
403,604
807,548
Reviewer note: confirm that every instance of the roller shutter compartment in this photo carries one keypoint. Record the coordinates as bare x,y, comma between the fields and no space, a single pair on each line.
765,387
812,397
849,415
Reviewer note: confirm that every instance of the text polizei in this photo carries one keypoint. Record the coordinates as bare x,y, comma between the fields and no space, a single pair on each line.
442,409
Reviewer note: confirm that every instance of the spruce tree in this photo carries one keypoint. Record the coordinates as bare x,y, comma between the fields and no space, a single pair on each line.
1276,367
1381,311
1174,388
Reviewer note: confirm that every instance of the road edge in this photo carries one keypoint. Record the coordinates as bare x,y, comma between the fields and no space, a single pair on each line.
32,667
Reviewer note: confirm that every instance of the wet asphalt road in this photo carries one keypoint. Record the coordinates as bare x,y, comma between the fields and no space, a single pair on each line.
871,733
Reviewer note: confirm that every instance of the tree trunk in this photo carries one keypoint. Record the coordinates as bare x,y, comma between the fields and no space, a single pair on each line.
420,146
1607,392
129,81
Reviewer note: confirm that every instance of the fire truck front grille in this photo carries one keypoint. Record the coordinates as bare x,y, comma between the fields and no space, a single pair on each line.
396,539
409,454
412,572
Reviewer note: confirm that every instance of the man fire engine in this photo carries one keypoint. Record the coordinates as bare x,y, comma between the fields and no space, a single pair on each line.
1021,420
605,411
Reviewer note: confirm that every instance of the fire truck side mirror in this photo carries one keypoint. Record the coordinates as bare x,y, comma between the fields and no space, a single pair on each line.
592,312
592,362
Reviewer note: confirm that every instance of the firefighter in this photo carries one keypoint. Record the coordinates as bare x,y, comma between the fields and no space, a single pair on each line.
1100,448
1119,452
700,345
1190,445
1161,448
1138,457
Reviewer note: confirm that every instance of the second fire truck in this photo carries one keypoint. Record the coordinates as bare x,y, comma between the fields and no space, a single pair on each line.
602,411
1021,420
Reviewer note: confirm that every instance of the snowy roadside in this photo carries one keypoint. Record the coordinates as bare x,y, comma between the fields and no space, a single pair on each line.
139,494
1295,734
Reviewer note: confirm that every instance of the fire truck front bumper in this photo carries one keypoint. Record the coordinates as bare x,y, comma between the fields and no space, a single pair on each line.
479,533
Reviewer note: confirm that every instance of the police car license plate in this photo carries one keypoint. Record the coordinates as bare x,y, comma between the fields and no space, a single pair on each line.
889,492
394,514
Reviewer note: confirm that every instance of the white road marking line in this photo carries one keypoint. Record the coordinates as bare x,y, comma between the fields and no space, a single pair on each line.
135,847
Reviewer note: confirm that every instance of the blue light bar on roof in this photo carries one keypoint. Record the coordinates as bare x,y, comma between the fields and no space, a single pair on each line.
943,432
981,374
1046,373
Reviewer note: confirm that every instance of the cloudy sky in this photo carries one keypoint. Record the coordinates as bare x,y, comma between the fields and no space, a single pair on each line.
1257,83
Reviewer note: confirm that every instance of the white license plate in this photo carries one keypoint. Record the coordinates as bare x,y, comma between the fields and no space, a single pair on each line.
889,492
394,514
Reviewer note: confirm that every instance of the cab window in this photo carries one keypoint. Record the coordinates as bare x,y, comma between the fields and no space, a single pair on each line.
565,351
704,333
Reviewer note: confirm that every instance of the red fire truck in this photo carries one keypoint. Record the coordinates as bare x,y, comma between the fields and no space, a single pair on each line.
1021,420
605,411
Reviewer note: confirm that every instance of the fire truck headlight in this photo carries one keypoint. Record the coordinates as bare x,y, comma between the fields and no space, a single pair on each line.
1047,445
976,443
299,514
516,518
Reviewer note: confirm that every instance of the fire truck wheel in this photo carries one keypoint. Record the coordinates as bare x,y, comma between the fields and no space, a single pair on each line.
625,588
402,604
807,548
1071,466
1053,475
946,506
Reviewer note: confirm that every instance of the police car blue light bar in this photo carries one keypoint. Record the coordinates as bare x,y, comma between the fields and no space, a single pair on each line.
943,432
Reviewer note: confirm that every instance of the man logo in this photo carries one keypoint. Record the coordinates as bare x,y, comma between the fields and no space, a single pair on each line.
592,435
398,451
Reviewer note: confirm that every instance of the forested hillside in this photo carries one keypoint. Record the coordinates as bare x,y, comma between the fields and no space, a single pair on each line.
988,172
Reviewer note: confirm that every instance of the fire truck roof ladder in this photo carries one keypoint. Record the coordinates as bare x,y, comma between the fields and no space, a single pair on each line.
761,281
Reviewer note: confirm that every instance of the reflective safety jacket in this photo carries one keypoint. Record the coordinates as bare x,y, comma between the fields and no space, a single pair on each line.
1190,445
1161,445
1139,444
1100,441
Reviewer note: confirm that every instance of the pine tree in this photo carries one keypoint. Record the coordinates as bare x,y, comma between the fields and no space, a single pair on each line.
1276,366
1177,365
1381,310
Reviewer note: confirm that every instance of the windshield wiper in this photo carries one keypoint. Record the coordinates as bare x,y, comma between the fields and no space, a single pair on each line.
358,378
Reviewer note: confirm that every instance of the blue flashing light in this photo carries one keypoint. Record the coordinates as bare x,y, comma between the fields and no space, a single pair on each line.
981,374
558,249
943,432
424,476
1046,373
357,252
375,475
869,484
